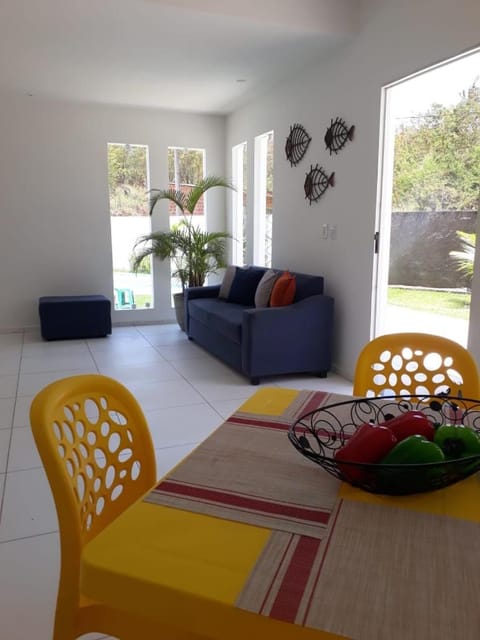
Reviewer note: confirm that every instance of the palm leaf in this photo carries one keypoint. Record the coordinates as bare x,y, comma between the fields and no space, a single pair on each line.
465,258
178,197
201,187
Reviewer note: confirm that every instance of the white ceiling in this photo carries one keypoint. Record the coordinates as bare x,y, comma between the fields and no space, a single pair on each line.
174,54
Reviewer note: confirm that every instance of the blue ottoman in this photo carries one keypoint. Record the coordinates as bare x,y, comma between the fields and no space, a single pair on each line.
64,317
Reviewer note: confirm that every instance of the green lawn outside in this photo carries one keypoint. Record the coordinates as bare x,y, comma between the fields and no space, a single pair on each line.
445,303
140,300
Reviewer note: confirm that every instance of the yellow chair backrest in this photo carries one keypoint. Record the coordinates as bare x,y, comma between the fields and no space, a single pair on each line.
415,364
98,454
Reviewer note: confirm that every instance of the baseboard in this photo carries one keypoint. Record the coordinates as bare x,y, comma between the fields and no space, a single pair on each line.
5,330
341,372
142,323
36,327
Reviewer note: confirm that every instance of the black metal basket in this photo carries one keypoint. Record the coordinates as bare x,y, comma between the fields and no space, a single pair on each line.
318,434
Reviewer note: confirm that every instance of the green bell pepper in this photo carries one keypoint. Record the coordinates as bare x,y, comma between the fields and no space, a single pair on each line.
457,441
414,450
404,478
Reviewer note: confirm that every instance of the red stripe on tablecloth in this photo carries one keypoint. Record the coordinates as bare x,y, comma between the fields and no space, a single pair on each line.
251,422
292,589
317,399
274,577
244,502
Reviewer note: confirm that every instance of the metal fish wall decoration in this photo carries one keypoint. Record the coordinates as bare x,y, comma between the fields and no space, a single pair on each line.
337,135
296,144
317,182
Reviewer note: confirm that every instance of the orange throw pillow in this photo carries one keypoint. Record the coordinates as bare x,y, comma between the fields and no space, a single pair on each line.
283,291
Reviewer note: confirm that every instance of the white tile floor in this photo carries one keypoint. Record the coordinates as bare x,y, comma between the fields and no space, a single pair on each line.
176,383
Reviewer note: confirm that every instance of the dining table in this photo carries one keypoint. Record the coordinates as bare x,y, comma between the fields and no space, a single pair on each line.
247,538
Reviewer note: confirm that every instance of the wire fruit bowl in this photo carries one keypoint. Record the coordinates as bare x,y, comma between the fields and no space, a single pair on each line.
319,434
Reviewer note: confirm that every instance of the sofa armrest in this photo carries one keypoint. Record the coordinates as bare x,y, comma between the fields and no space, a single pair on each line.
297,337
210,291
192,293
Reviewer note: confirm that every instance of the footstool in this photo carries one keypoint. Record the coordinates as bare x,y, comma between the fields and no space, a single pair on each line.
66,317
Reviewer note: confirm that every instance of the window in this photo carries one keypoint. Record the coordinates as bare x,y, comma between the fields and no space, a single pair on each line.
129,219
239,203
263,203
186,167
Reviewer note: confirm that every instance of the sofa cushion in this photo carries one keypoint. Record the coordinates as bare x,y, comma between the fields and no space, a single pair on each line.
227,282
221,316
264,289
283,291
307,285
244,285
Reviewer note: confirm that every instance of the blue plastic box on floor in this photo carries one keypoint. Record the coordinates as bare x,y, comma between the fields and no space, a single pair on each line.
69,317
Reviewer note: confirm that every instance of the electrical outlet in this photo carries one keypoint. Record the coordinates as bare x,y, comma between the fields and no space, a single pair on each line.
325,231
333,231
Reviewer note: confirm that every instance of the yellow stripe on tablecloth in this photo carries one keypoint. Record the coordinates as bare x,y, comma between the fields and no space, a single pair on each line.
187,572
460,500
269,401
186,551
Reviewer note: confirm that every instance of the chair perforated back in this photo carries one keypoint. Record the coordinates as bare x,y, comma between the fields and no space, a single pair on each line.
415,364
98,454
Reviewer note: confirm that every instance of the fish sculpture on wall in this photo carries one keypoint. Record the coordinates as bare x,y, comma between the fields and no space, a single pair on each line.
317,182
296,144
337,135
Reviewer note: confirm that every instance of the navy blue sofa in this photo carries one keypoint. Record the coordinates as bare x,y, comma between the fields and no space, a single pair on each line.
265,341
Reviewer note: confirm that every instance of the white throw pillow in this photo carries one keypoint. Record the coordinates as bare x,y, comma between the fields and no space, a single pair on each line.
264,288
227,282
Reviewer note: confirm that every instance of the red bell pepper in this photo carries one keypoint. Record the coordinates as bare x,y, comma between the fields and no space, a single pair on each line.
411,423
369,444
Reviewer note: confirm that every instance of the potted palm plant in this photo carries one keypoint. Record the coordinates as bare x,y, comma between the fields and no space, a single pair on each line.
194,253
466,256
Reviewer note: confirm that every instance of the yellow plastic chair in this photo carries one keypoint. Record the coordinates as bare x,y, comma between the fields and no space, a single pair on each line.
415,364
98,454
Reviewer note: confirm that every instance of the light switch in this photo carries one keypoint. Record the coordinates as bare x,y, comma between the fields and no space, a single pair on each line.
333,231
325,231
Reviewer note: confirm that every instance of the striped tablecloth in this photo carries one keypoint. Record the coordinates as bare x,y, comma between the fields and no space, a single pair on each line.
338,559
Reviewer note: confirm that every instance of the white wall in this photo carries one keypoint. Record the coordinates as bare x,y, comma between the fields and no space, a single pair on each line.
396,39
54,211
